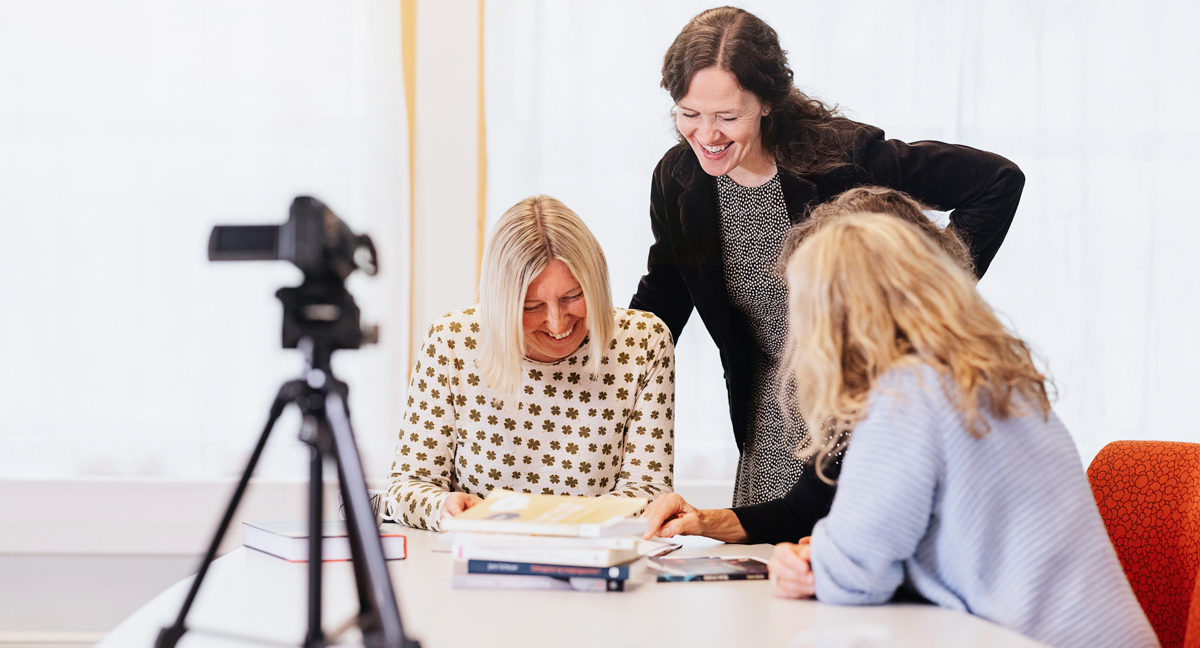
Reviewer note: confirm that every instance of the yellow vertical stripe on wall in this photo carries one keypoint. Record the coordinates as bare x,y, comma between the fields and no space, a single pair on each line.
481,173
408,54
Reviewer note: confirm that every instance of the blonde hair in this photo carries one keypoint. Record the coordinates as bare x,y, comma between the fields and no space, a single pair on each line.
882,200
869,292
523,242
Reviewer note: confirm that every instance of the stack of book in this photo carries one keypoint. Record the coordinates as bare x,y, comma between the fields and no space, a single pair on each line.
519,541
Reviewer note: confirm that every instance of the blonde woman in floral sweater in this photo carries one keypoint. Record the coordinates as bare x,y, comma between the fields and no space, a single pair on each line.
543,387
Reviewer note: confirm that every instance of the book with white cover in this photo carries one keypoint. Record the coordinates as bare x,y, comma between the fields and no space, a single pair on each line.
556,550
556,515
524,541
289,540
582,557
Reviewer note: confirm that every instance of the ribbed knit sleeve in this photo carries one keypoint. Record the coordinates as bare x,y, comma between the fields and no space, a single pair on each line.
882,510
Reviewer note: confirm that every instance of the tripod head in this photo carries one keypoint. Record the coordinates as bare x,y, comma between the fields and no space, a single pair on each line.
327,251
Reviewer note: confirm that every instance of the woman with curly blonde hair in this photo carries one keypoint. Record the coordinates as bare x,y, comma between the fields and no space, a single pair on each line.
959,484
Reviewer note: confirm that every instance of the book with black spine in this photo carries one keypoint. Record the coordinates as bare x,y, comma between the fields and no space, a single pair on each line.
464,580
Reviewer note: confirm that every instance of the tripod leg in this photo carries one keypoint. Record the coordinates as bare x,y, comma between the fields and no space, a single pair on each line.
169,636
316,484
380,613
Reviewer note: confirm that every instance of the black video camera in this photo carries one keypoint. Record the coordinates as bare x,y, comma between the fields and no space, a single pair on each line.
324,248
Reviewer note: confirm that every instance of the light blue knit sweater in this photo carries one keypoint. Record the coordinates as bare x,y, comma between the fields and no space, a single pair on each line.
1003,527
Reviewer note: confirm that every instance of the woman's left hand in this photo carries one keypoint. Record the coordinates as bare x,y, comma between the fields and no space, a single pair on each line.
791,570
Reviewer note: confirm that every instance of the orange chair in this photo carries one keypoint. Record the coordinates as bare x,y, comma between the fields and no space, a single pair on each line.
1192,640
1148,493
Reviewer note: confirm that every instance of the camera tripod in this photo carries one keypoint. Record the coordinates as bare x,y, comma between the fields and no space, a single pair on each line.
322,400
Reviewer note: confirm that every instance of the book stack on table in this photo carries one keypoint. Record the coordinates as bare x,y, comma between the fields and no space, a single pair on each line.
520,541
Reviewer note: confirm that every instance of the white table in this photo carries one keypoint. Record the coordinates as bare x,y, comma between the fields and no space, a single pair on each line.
249,593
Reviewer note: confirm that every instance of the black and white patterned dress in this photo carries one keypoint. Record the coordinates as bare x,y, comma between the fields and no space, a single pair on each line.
754,222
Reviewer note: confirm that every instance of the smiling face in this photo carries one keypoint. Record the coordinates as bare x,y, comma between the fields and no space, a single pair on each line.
721,121
555,316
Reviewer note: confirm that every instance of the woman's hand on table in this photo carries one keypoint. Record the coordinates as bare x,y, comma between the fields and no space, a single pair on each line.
457,503
791,570
671,515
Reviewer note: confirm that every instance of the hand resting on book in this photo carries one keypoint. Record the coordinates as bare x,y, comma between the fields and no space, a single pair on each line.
670,515
457,503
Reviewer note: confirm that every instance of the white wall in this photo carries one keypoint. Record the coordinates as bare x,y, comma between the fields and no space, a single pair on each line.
445,182
137,375
127,129
1095,102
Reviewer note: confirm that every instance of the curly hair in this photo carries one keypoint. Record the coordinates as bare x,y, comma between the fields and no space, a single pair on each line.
880,200
799,131
868,293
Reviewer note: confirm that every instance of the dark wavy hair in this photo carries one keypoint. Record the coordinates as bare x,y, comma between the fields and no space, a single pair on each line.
736,40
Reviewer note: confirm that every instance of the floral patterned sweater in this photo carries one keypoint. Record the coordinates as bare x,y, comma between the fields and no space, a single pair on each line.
570,433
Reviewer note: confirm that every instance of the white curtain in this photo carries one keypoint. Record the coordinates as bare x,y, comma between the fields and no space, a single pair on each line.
1097,102
127,130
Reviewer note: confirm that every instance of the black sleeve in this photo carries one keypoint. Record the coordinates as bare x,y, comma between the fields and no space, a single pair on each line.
980,189
662,290
792,516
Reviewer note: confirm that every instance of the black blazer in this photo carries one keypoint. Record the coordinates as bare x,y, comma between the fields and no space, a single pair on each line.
685,265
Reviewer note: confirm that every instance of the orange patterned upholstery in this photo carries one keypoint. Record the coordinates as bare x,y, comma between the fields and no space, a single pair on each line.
1148,493
1192,640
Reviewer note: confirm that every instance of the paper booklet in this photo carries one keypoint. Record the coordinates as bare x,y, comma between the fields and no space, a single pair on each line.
554,515
709,568
289,540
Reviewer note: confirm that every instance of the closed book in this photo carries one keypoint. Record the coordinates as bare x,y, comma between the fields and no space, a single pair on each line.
555,515
583,557
289,540
615,572
464,580
525,541
709,568
451,541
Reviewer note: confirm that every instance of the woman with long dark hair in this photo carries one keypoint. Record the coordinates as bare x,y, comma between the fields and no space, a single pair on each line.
755,156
